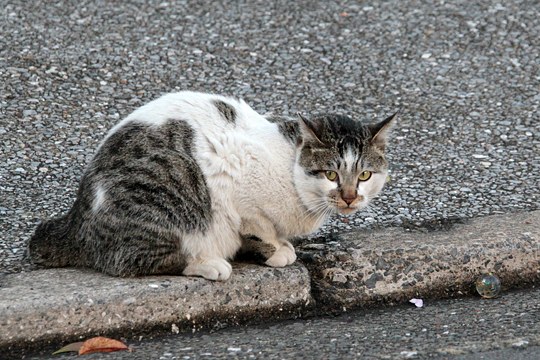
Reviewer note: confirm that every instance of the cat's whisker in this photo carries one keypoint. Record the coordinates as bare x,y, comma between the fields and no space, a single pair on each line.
315,213
314,204
317,208
323,213
318,199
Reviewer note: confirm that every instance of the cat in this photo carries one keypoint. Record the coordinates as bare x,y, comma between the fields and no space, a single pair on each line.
178,185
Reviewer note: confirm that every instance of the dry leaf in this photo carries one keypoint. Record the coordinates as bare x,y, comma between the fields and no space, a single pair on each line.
71,347
101,344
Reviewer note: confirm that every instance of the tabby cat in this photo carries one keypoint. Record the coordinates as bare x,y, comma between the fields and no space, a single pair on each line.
182,182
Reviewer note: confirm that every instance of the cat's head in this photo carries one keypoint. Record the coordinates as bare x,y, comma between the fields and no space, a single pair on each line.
340,165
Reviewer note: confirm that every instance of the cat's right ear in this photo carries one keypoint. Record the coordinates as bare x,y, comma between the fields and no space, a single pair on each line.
310,129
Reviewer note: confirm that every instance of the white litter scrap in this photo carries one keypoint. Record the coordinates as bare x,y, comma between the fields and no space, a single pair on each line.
417,302
408,354
520,343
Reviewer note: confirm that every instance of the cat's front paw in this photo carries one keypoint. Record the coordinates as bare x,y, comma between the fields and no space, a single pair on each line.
212,269
283,256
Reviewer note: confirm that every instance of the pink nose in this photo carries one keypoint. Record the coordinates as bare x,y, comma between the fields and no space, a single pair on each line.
349,200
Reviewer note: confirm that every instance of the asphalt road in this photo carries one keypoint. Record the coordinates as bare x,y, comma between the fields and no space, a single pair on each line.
507,327
465,75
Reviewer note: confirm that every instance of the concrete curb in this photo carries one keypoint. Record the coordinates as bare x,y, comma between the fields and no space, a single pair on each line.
65,304
394,265
386,266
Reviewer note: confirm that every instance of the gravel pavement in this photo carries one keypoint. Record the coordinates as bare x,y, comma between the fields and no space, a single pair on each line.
464,74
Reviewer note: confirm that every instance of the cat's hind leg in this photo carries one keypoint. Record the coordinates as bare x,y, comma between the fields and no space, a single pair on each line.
211,269
255,250
207,252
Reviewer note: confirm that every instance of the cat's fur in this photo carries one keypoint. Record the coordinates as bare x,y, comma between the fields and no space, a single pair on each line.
177,185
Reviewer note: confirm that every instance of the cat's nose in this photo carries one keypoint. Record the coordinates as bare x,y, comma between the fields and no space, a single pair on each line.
349,200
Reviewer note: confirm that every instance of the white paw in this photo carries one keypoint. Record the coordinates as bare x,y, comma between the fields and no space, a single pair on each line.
212,269
283,256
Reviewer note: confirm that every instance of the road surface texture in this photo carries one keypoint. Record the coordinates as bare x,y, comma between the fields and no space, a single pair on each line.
469,328
465,76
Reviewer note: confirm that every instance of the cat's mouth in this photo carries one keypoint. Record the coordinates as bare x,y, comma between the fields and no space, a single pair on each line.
346,210
350,206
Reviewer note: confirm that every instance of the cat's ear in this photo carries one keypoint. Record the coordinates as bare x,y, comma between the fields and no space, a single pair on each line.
310,129
380,131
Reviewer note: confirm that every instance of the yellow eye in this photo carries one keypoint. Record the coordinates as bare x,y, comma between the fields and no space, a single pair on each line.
331,175
365,175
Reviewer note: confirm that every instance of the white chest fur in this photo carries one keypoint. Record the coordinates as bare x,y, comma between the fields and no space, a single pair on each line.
266,188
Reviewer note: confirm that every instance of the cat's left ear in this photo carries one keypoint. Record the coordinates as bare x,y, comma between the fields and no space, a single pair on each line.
380,131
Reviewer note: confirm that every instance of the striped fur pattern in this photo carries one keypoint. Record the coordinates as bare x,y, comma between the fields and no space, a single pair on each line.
181,184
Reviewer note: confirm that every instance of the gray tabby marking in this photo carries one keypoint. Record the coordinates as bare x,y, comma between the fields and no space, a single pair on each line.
227,111
152,168
151,185
287,127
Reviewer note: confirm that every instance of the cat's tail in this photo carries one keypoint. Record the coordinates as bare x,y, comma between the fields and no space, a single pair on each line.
53,243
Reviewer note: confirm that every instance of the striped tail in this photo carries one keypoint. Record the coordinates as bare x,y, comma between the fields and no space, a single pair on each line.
54,244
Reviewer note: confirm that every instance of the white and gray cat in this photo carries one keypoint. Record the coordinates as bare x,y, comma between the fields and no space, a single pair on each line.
182,182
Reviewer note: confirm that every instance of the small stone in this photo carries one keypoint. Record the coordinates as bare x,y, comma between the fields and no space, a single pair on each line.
326,60
27,113
129,301
373,279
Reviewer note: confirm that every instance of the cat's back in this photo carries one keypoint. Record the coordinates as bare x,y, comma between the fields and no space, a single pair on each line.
223,135
203,112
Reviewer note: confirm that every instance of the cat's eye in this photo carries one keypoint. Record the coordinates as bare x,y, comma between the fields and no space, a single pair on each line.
364,176
331,175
